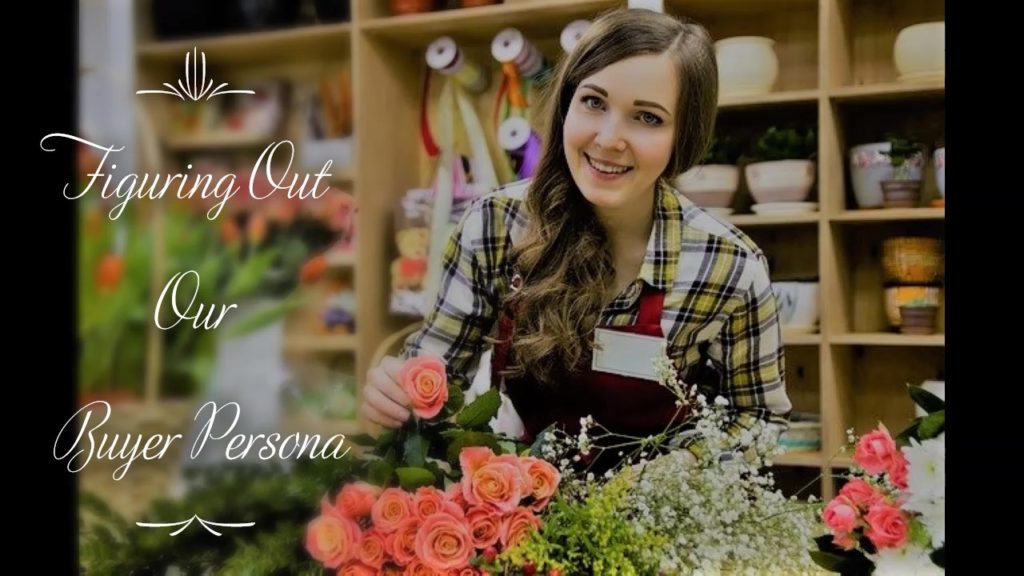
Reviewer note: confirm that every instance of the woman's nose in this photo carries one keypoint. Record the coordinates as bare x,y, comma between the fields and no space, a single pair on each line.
608,136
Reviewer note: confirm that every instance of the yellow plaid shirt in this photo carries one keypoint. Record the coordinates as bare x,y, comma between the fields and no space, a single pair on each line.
719,315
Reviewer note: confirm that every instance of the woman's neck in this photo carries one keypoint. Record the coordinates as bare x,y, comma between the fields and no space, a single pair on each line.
628,229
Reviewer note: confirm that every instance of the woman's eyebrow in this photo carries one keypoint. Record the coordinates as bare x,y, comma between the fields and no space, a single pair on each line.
647,103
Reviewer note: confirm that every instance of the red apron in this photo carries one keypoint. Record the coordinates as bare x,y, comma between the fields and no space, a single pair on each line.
622,404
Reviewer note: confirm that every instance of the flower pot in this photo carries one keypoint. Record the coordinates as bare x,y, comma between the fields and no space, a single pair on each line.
939,159
798,305
747,65
897,296
710,186
920,52
918,320
901,193
869,166
780,180
910,260
399,7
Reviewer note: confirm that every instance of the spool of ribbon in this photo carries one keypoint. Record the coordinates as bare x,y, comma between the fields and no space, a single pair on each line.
522,144
445,56
571,34
510,46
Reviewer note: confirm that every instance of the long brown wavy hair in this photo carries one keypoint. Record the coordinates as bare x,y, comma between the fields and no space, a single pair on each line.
564,258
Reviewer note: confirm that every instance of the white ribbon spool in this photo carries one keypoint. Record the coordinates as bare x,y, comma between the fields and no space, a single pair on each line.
571,34
514,133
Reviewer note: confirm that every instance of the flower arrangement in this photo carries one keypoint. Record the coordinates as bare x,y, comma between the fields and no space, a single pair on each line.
426,525
664,509
890,516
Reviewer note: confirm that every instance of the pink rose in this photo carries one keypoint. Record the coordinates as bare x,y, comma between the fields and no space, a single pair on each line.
425,381
420,568
393,506
484,526
356,500
491,480
373,550
427,501
898,470
844,540
862,494
840,515
466,571
874,452
887,526
332,540
517,526
403,541
544,479
356,569
526,483
454,494
443,542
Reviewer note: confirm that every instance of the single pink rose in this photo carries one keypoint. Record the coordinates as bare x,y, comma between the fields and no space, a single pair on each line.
356,569
498,484
840,515
484,526
427,501
544,479
443,542
898,470
874,451
526,483
425,381
332,540
393,506
356,500
862,494
887,526
517,526
473,458
403,541
373,550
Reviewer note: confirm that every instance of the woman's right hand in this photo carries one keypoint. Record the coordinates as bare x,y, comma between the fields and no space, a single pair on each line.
384,400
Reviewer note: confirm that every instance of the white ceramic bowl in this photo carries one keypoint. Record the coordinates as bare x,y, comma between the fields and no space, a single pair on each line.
780,180
710,186
798,304
869,166
747,65
920,52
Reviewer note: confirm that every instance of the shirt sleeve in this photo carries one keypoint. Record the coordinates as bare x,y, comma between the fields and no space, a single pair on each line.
466,306
749,353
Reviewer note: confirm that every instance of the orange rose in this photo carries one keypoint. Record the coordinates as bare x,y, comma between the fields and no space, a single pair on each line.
544,479
356,569
517,526
427,501
425,381
443,542
393,506
498,484
332,540
484,526
526,484
403,541
467,571
373,549
313,270
419,568
356,500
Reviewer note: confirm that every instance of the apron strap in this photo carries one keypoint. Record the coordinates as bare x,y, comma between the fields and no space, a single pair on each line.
651,302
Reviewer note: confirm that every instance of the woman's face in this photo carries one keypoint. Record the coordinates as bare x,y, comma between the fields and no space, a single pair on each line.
618,133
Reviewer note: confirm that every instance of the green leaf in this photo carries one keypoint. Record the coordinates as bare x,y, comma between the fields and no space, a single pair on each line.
456,398
508,447
380,473
470,438
919,534
416,450
264,317
480,411
363,440
932,425
903,438
247,279
411,478
928,402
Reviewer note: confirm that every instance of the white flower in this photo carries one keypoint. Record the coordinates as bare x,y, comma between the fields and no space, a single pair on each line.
907,561
926,468
933,516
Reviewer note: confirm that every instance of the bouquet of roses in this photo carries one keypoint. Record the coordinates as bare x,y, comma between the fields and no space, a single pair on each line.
890,516
458,502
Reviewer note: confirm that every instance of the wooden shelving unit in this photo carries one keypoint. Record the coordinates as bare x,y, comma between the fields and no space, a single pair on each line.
835,68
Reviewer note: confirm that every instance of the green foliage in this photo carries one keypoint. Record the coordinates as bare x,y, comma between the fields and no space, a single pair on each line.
723,150
902,149
786,144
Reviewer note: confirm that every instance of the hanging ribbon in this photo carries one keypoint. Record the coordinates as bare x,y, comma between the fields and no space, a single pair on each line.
522,144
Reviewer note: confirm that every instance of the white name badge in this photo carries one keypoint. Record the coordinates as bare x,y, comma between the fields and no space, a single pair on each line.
627,354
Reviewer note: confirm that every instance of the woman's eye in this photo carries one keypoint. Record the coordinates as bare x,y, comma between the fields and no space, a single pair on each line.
649,118
591,102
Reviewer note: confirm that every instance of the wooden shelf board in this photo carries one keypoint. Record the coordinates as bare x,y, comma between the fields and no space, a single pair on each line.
273,46
758,220
887,91
888,339
772,98
320,342
890,215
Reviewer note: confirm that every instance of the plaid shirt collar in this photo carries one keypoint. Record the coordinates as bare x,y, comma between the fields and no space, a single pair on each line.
663,247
